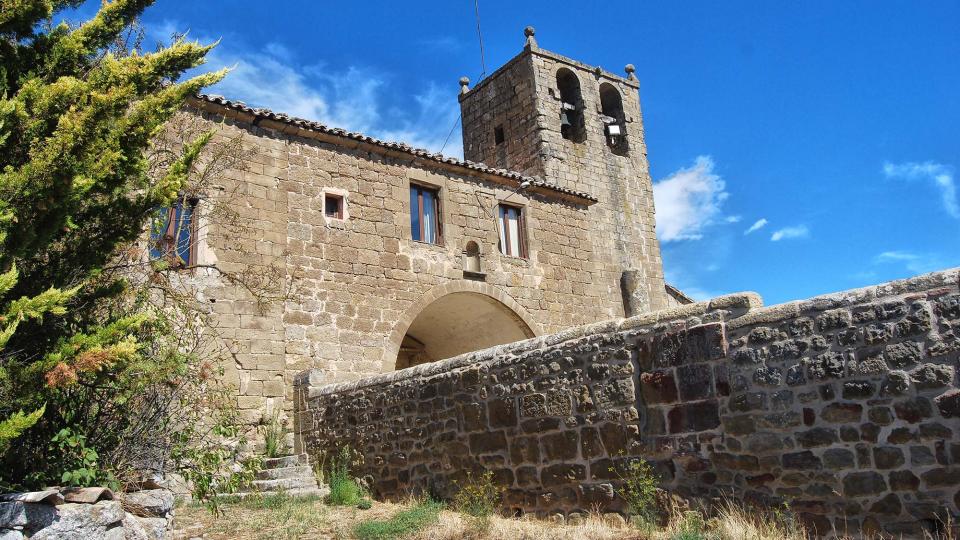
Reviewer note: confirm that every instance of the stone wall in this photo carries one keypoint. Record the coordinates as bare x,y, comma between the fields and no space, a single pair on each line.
86,514
845,405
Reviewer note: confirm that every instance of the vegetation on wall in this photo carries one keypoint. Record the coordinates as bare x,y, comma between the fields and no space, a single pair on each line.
105,373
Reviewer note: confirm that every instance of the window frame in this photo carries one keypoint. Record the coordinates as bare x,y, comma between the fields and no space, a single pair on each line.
341,204
504,224
438,213
172,255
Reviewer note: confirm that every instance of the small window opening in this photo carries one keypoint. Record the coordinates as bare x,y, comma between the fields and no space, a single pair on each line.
425,224
333,206
513,232
498,135
571,107
614,120
173,233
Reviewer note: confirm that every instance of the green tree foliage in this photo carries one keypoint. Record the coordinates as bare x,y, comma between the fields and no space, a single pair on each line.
77,345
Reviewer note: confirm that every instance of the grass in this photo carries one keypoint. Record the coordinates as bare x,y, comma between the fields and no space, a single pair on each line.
284,517
401,524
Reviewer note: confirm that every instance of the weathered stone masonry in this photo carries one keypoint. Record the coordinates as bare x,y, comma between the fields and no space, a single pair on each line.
847,405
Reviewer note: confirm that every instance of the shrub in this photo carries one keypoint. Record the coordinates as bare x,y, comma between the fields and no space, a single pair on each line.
401,524
364,504
344,488
272,430
639,489
479,496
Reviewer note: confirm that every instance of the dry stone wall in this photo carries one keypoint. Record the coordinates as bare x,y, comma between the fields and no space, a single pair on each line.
847,406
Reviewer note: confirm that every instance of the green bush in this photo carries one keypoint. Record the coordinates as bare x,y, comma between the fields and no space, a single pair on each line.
401,524
344,488
479,496
364,504
639,489
272,430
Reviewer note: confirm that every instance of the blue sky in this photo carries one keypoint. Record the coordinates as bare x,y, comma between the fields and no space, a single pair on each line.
796,148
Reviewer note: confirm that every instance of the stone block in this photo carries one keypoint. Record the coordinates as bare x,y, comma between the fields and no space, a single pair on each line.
560,446
556,475
502,412
860,484
887,457
692,417
488,443
658,387
805,460
837,413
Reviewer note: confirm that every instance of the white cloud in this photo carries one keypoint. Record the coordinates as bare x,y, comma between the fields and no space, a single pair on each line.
918,263
787,233
941,175
688,200
355,98
757,225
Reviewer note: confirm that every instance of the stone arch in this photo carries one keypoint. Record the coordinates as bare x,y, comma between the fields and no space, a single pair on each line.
507,305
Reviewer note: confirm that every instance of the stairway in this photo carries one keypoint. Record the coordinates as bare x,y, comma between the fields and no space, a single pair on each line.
290,475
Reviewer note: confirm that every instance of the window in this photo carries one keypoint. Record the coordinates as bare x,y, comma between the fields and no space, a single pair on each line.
425,224
498,135
172,233
333,206
512,231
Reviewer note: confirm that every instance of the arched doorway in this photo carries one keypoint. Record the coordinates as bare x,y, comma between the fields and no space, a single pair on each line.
453,320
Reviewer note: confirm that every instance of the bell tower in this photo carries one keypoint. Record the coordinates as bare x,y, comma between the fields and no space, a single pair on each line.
579,127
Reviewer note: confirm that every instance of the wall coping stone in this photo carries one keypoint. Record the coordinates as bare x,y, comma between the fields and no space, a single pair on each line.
744,309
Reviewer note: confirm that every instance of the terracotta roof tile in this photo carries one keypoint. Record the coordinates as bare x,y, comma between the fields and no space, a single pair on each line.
402,147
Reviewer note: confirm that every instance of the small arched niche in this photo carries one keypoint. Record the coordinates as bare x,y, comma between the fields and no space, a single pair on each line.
572,126
614,120
471,260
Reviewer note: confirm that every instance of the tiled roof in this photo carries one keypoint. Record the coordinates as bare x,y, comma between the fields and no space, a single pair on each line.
311,125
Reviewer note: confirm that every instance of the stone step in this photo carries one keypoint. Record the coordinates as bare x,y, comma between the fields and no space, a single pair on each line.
285,484
320,492
285,461
299,471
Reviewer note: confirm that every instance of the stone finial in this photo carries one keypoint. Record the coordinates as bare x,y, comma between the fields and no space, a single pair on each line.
630,72
531,41
464,85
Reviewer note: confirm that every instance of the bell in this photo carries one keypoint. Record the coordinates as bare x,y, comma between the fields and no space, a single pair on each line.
565,125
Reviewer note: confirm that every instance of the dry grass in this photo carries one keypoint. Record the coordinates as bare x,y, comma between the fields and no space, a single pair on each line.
285,518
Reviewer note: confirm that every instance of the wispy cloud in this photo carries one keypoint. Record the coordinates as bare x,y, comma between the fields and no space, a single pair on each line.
918,263
757,225
356,98
788,233
941,175
688,200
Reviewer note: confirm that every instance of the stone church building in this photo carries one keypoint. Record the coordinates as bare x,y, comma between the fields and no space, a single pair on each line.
396,256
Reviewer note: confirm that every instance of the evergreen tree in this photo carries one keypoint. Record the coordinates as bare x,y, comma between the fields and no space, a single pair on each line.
76,121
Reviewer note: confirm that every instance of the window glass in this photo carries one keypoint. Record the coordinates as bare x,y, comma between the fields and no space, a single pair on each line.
415,212
171,233
512,241
424,215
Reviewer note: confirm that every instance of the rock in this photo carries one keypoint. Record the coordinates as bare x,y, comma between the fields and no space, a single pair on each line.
502,413
698,416
887,457
84,522
801,460
904,481
842,412
880,415
859,484
889,505
11,535
761,443
752,401
895,384
149,503
658,387
932,376
556,475
857,390
694,381
902,355
817,437
838,458
921,455
913,410
18,514
941,477
949,404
